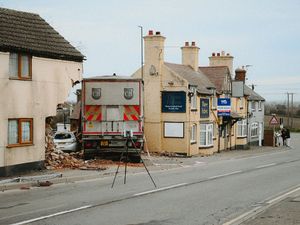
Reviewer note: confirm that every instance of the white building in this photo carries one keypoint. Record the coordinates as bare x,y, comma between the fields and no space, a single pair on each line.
37,70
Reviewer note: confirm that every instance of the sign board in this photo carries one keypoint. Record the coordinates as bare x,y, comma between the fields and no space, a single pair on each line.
274,121
237,88
204,107
173,129
173,102
224,107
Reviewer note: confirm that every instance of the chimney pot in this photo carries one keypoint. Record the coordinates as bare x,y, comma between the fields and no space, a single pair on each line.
218,54
213,54
186,43
228,54
193,43
223,53
157,33
150,32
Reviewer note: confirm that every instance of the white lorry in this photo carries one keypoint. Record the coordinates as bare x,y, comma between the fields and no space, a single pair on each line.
112,113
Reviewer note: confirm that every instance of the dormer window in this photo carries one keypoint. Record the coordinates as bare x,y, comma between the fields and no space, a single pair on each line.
20,66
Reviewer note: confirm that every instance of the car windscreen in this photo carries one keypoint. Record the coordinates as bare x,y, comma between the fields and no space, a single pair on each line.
62,136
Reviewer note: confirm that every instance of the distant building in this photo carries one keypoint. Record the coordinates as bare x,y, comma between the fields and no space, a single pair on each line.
37,70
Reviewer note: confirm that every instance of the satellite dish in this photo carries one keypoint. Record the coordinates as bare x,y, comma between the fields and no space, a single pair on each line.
152,70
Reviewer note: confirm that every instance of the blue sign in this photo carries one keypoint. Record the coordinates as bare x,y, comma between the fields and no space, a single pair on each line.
173,101
224,107
204,107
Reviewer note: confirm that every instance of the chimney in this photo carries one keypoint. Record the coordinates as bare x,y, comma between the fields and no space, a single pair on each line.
222,59
240,74
154,51
190,55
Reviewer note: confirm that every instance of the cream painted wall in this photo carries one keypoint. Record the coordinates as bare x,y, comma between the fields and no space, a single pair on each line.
37,99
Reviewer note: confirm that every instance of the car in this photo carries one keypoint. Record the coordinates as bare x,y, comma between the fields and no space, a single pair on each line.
65,141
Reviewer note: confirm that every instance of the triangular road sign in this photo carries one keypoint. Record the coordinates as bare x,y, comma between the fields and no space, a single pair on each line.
273,121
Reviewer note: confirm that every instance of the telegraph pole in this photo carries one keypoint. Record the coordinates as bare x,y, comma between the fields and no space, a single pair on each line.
292,118
288,109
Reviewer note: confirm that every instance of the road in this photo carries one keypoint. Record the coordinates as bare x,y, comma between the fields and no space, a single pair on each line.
211,191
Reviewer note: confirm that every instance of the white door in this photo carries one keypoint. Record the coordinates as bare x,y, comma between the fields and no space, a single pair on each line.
113,119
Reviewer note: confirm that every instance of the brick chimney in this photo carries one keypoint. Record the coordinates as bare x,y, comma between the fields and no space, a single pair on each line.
190,55
154,51
240,74
222,59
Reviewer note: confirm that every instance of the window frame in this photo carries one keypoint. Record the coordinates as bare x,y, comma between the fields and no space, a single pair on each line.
241,105
253,106
259,105
193,138
19,66
208,129
254,129
21,143
193,99
241,128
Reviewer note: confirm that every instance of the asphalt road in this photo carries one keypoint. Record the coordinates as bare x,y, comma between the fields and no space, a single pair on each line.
212,191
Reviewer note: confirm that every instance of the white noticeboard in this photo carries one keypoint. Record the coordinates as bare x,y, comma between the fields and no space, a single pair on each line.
174,130
237,89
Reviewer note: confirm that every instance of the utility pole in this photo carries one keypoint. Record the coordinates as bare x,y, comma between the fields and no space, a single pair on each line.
288,109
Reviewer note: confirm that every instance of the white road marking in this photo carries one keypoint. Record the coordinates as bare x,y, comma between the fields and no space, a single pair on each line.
242,216
226,174
52,215
160,189
267,165
283,196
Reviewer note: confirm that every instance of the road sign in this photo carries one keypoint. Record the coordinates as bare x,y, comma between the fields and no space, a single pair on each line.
224,107
274,120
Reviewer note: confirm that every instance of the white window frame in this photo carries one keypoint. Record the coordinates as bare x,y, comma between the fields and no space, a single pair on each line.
193,134
174,129
253,106
241,128
206,130
193,98
254,129
259,105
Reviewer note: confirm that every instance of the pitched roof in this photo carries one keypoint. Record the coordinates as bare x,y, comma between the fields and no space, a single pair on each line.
193,77
29,33
252,94
216,74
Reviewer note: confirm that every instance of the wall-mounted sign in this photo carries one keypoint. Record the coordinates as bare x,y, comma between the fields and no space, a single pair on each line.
204,107
224,107
173,101
173,129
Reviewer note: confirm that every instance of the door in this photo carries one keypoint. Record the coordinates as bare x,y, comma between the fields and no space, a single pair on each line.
113,119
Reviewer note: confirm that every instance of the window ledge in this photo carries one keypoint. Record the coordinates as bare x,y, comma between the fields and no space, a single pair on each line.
205,147
19,145
193,142
193,110
241,137
22,79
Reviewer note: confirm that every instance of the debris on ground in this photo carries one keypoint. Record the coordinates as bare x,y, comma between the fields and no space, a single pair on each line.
57,159
44,183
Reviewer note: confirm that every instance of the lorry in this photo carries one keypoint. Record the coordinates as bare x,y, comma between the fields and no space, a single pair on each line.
112,113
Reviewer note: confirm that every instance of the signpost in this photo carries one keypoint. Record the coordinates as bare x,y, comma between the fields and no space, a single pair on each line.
273,121
224,107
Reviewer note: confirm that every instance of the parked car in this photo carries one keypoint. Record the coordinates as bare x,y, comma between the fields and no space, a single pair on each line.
65,141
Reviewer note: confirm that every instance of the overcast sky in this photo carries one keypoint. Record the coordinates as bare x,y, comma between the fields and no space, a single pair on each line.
261,33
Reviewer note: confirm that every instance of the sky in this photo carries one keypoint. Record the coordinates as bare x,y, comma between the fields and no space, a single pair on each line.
262,33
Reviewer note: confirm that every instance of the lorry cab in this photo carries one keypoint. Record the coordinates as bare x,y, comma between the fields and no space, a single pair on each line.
111,108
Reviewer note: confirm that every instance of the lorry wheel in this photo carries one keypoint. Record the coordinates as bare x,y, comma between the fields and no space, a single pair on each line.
87,155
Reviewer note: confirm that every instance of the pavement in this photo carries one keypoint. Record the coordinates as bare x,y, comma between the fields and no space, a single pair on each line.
283,211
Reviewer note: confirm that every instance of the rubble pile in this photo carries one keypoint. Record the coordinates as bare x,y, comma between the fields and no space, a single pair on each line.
57,159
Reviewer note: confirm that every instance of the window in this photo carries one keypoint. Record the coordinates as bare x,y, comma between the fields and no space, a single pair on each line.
241,128
241,103
254,129
20,66
193,133
214,102
194,99
253,106
206,135
19,132
259,105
